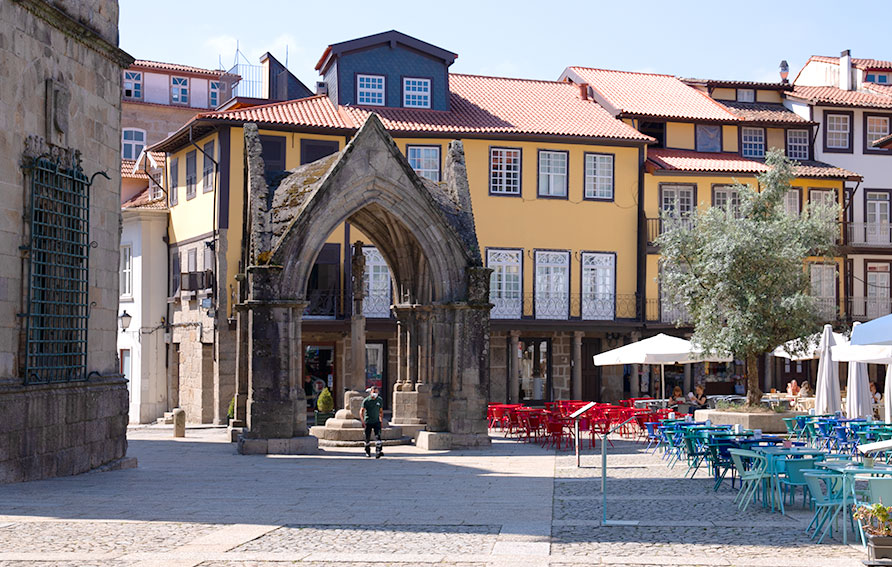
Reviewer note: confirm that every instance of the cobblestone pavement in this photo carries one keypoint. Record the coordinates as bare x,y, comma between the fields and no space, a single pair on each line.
194,503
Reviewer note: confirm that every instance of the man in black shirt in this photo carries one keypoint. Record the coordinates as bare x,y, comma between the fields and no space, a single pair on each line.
372,414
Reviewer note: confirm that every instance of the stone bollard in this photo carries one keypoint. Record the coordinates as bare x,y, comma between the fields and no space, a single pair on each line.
179,423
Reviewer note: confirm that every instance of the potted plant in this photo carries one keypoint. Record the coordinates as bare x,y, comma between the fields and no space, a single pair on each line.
324,407
876,521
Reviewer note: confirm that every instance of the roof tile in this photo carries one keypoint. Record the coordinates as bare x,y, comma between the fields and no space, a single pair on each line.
764,112
858,63
837,96
684,160
648,94
142,200
176,68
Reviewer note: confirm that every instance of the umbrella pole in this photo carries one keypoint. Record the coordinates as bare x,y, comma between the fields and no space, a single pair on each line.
663,383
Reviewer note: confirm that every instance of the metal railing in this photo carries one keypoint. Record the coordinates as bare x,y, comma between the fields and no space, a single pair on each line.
323,304
869,234
662,311
251,82
377,306
867,308
656,227
562,306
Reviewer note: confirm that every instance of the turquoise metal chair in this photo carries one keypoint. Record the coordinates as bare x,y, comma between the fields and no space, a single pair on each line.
752,469
825,490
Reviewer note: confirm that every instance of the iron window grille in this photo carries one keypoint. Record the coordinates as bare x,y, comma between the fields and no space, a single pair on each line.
58,256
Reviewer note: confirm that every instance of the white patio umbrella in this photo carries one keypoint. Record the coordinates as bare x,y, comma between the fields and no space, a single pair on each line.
858,399
887,396
827,396
660,349
875,332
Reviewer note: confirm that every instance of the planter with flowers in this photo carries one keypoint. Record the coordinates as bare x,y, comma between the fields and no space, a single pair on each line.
876,521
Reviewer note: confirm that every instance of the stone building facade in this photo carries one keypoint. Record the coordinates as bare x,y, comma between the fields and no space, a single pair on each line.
60,97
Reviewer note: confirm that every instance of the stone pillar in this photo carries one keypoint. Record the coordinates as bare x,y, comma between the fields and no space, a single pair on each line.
410,399
241,369
635,381
688,371
576,376
402,349
513,368
357,321
424,348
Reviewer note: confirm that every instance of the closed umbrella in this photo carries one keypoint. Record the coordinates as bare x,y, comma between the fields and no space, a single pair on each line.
660,349
887,396
858,399
827,397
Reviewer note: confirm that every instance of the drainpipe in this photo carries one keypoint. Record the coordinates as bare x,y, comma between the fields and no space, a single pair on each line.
641,248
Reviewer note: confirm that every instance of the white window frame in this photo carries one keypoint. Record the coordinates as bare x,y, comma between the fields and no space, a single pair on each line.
838,138
156,189
552,296
134,78
505,283
214,91
878,78
822,278
721,194
793,201
598,286
425,160
599,176
873,133
376,282
126,281
746,95
135,146
826,196
752,142
553,173
179,90
371,95
505,166
417,92
797,144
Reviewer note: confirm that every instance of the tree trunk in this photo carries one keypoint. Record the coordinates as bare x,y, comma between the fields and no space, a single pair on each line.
753,392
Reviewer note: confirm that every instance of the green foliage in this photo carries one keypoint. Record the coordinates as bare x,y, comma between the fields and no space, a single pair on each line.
230,413
875,518
740,273
325,403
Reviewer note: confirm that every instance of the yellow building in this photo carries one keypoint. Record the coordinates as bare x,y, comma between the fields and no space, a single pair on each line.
711,134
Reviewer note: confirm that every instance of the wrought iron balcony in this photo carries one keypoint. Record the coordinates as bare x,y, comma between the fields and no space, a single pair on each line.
377,306
323,304
562,306
659,310
656,227
867,308
869,234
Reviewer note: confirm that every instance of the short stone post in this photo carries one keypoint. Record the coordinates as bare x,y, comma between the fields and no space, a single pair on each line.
179,422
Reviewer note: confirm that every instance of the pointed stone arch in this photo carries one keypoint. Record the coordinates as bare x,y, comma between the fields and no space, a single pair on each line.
425,231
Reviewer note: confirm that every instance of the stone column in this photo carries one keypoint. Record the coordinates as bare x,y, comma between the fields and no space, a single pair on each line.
424,348
513,368
576,377
635,381
357,321
688,378
402,349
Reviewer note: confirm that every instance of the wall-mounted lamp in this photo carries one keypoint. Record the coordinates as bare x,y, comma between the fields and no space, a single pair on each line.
125,320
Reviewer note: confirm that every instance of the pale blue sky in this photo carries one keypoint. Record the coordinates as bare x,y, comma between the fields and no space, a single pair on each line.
722,40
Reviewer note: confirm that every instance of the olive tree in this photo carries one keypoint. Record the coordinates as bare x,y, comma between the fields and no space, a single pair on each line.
738,271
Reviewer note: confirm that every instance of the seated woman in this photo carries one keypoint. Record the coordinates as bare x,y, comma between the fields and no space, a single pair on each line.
805,390
793,388
677,395
698,398
877,397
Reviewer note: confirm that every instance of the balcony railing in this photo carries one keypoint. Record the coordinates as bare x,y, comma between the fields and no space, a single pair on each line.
562,306
377,306
867,308
869,234
323,304
656,227
658,310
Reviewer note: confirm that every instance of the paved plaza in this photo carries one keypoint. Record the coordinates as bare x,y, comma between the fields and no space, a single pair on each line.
195,502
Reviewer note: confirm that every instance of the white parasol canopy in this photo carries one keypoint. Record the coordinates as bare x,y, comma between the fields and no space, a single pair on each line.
827,396
660,349
887,396
813,350
875,332
859,402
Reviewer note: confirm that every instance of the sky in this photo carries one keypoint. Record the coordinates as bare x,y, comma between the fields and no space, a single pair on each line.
716,40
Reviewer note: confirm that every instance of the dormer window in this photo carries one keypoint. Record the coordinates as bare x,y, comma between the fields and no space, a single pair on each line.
881,78
746,95
132,85
370,90
179,90
214,88
416,93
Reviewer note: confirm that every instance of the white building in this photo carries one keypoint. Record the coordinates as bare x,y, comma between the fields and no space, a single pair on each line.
141,347
851,100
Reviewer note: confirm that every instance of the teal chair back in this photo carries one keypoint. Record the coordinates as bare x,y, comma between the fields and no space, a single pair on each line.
880,490
820,486
794,469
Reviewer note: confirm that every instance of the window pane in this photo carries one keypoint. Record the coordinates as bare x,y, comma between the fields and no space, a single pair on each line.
370,90
797,144
417,93
877,127
709,138
505,286
425,160
838,131
504,171
753,142
598,287
552,174
552,299
598,176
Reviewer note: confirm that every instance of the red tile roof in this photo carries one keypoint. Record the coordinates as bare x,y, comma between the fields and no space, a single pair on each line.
684,160
882,90
142,201
838,97
764,112
648,94
856,62
478,105
175,68
128,172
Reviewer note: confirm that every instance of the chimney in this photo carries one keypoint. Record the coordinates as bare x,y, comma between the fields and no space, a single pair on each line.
583,91
321,88
845,70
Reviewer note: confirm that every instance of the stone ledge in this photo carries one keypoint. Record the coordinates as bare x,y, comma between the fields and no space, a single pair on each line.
767,422
306,445
443,441
385,442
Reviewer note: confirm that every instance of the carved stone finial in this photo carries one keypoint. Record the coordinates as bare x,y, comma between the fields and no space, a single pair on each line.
358,266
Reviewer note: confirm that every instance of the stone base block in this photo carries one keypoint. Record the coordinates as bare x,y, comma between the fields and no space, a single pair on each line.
767,422
339,423
355,435
385,442
234,433
411,429
442,441
304,445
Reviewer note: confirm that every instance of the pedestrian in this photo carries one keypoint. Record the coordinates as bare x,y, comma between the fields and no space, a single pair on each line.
372,414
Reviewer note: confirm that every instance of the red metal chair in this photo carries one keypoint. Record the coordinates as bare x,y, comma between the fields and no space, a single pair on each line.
556,433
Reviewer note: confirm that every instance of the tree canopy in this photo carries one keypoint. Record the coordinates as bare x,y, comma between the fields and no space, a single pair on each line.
738,271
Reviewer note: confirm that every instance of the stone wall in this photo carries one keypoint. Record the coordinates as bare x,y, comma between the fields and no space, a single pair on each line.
498,367
61,428
157,120
561,343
